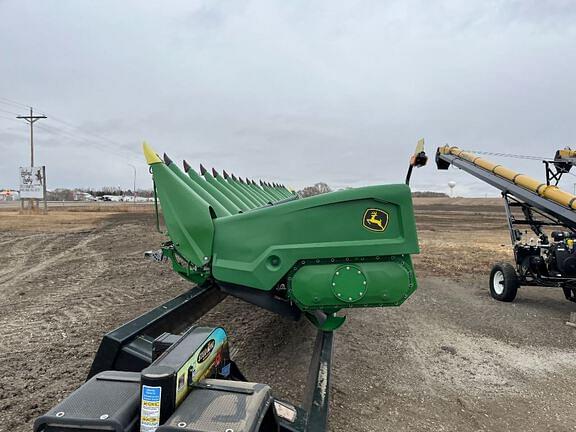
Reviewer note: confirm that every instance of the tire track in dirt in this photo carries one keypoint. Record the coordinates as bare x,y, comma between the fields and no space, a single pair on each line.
58,303
16,253
378,385
26,269
72,300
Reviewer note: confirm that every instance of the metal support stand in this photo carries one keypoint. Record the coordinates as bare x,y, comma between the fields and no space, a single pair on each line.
317,400
129,347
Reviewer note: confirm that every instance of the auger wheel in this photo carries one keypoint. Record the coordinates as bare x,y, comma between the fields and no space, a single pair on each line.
503,282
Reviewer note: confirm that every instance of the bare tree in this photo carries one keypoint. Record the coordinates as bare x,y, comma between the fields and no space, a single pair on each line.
317,189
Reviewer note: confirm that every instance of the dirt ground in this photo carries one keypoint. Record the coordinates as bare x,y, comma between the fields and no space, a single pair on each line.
449,359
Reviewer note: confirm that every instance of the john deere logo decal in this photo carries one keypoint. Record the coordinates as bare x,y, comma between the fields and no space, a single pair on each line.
375,219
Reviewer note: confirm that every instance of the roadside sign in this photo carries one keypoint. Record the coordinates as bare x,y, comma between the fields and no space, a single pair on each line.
32,182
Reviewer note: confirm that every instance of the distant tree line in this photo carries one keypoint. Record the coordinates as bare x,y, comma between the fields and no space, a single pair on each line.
64,194
72,194
113,190
429,194
320,188
317,189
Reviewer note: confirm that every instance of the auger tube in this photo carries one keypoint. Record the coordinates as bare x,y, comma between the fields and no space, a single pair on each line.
550,192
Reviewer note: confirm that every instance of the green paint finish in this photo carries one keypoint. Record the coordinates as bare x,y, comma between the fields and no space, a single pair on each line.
258,248
226,191
185,269
218,208
260,193
348,283
186,215
268,196
332,322
336,286
250,193
233,190
212,190
273,192
236,186
330,252
282,192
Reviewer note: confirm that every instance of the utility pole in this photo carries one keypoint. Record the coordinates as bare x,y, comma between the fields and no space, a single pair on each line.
134,189
31,119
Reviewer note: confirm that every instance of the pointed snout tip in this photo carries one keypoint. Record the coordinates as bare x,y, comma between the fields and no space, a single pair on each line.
150,155
186,166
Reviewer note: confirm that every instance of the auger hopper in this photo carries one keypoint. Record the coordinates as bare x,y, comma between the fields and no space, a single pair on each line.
261,243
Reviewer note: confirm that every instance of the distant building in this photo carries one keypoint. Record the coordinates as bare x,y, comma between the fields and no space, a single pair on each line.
9,195
116,198
83,196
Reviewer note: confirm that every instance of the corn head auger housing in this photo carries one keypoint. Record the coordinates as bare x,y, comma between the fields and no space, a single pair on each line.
549,258
263,244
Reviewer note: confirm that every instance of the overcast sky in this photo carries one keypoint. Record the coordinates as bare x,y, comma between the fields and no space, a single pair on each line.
296,91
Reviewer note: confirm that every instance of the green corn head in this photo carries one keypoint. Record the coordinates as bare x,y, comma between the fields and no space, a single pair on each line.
343,249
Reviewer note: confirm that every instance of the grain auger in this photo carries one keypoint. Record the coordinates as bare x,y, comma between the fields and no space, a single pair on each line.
263,244
547,259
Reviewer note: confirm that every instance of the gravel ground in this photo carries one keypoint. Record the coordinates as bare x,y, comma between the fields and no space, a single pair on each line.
449,359
453,359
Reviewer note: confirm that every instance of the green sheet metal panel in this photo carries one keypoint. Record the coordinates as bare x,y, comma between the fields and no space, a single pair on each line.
192,236
269,197
223,188
234,191
387,282
259,192
258,248
239,190
218,208
276,194
251,193
209,187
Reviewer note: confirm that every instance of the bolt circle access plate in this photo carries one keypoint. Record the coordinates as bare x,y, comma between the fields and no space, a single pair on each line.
349,284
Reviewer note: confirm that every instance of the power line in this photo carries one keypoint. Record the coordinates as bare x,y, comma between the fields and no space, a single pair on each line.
9,112
8,118
74,132
57,119
517,156
14,103
510,155
92,142
9,128
64,122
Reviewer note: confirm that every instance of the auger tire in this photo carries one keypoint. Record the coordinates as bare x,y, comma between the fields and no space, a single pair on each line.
504,282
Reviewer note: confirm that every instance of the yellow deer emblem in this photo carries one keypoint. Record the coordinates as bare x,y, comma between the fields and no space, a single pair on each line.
375,219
